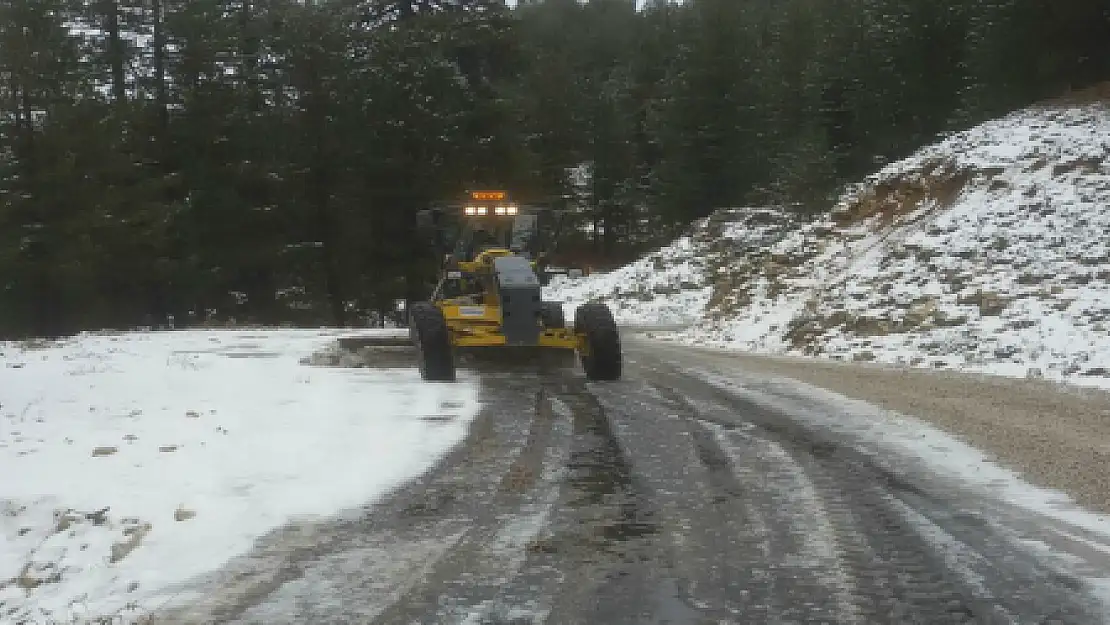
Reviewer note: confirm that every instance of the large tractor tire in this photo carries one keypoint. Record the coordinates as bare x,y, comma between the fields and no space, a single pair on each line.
552,315
428,330
601,359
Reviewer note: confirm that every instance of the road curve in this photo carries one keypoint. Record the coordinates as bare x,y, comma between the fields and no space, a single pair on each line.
657,499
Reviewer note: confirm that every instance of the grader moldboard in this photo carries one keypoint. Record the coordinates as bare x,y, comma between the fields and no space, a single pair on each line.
488,298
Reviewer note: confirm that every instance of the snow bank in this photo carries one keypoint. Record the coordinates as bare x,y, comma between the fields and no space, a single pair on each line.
135,461
986,252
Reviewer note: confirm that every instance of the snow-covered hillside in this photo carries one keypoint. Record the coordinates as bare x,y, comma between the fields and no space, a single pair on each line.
672,286
989,251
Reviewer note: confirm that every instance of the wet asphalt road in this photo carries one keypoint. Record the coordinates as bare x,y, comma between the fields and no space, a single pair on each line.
657,499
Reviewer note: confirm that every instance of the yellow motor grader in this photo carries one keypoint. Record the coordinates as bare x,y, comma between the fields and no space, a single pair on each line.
488,297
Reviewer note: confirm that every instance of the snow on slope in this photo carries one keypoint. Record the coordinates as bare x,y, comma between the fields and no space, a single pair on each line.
987,251
675,284
132,462
665,287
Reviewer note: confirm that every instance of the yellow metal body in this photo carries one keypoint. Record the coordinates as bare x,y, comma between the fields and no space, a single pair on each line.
475,320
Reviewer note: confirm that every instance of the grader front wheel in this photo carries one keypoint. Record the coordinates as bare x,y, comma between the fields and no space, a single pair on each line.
428,329
601,354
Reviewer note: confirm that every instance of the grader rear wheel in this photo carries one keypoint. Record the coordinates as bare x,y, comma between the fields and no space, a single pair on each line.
601,358
552,315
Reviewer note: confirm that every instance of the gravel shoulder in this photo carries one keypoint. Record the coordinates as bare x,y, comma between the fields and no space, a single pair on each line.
1056,436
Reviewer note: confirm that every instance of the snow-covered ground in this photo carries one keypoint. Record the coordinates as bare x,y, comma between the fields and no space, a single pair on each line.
132,462
986,252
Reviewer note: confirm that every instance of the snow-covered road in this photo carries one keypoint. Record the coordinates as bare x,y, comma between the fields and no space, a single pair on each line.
133,462
686,493
221,477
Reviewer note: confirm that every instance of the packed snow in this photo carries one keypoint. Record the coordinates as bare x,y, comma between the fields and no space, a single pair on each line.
986,252
133,462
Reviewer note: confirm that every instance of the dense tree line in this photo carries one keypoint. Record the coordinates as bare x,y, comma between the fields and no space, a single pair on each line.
263,159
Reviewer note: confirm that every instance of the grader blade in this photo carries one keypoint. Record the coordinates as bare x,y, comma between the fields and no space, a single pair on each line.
380,351
516,359
359,341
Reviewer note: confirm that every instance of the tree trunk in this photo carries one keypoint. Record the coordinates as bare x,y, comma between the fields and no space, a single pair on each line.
116,51
333,280
250,50
319,189
160,73
608,238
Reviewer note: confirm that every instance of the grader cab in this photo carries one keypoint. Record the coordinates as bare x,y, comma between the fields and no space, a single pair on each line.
488,296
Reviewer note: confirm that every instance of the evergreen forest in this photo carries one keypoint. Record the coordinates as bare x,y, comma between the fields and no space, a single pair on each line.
263,160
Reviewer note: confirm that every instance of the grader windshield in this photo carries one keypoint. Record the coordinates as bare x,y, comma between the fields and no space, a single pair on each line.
489,220
515,233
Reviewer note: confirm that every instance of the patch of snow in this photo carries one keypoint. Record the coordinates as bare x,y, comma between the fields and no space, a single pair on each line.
137,461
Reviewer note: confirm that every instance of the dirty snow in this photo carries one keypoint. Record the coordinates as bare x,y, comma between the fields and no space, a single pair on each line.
986,252
136,461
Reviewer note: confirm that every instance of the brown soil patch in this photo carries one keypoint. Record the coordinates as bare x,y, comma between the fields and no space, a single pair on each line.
1093,94
940,182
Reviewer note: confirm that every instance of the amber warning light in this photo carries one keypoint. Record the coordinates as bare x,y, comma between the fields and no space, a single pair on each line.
487,195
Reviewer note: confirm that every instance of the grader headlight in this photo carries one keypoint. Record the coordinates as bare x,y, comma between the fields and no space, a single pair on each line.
484,203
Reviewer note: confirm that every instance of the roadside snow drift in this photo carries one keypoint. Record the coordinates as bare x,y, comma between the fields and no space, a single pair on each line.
136,461
987,251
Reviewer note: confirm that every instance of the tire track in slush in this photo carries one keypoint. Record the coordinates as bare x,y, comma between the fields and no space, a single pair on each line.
915,556
1007,563
582,562
355,568
463,581
819,547
753,548
605,539
887,570
935,556
528,596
